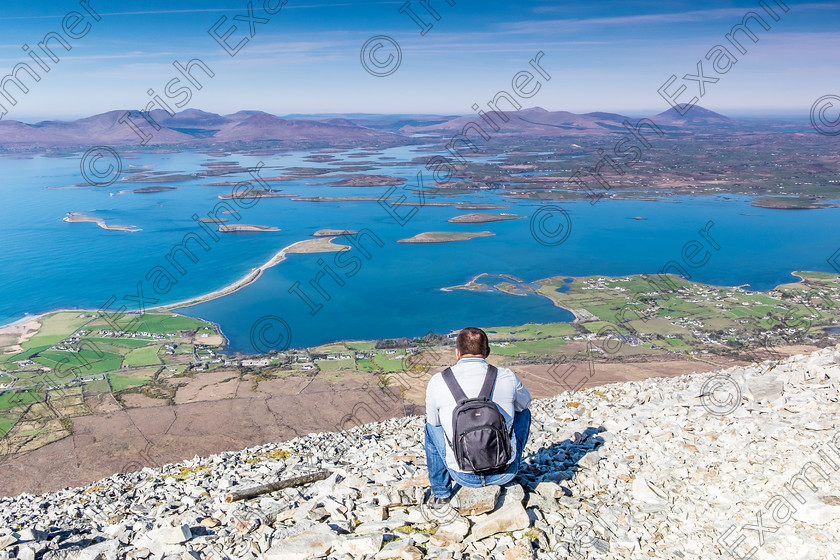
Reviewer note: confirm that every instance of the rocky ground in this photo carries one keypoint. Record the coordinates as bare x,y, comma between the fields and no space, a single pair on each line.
740,462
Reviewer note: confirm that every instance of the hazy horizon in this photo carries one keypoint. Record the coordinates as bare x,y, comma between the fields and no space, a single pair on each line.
780,114
306,56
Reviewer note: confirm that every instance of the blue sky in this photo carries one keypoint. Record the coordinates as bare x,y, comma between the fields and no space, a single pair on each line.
601,56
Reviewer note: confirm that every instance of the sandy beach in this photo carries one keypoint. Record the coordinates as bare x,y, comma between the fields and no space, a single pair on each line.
19,332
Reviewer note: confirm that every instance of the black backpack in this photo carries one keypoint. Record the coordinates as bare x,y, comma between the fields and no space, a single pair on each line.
482,440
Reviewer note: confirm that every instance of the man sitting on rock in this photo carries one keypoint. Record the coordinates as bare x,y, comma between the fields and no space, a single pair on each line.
508,394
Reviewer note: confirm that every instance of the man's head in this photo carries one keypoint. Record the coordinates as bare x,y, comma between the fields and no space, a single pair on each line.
472,342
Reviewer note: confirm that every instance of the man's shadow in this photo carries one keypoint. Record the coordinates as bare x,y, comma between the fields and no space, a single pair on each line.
556,463
559,461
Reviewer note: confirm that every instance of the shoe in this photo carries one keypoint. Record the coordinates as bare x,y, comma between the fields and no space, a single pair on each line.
438,502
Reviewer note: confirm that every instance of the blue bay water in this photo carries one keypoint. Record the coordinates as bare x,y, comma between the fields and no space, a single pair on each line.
391,291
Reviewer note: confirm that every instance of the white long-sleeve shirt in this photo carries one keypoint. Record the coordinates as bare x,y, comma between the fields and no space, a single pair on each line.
508,393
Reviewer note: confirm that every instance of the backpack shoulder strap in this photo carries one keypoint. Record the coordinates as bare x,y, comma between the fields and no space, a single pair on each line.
454,388
489,382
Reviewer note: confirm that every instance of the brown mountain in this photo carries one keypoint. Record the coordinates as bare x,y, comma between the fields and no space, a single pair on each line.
103,129
531,122
191,127
262,126
695,116
537,122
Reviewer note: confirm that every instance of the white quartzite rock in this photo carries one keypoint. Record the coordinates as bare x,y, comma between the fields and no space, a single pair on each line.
509,516
472,501
361,544
317,541
817,510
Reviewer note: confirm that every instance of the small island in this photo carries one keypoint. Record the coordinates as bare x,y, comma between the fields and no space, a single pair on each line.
789,203
320,245
147,190
482,218
445,236
320,158
246,228
363,180
333,232
254,193
76,218
336,198
509,285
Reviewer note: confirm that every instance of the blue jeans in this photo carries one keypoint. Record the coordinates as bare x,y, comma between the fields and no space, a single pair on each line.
441,476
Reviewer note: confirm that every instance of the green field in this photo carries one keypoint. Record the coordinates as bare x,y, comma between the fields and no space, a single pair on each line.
531,331
676,343
146,356
126,342
154,323
6,424
120,381
98,386
10,400
90,355
367,365
329,348
26,354
816,275
82,363
336,365
530,347
361,345
389,365
55,327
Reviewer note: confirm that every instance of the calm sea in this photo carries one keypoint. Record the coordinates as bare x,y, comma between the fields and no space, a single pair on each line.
374,292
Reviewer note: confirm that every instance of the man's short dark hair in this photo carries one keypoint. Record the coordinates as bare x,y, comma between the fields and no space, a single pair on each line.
472,340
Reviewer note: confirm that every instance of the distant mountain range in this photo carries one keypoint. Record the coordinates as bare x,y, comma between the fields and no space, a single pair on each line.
190,127
193,127
537,122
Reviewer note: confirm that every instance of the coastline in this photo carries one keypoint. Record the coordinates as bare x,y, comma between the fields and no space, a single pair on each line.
7,328
280,256
252,276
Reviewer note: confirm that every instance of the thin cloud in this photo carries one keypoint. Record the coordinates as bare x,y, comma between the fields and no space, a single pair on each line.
200,10
530,26
722,11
